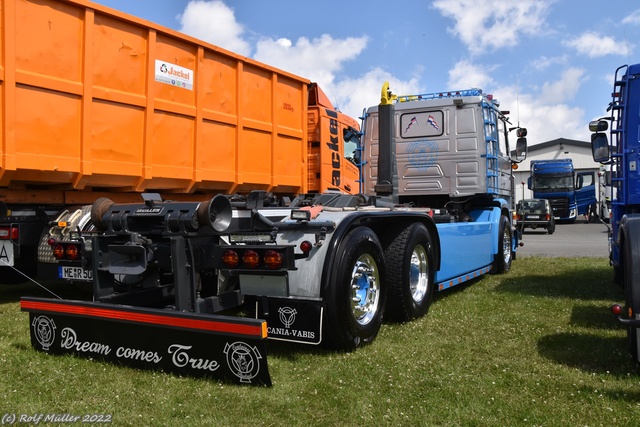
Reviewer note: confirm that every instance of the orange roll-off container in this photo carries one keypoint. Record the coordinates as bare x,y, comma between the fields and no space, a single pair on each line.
96,100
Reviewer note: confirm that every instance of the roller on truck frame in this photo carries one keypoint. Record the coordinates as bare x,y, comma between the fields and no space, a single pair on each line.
620,155
196,287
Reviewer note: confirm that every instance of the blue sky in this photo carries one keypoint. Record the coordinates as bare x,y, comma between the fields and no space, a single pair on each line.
550,62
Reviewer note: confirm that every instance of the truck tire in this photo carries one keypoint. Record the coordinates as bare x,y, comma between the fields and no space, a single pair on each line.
502,260
355,293
410,273
631,278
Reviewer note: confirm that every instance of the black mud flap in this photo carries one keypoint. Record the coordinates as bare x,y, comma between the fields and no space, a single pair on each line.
292,320
221,347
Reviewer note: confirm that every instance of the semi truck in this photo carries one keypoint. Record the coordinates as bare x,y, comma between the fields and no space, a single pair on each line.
320,228
619,152
570,192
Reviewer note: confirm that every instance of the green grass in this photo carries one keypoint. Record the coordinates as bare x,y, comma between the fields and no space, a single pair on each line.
534,347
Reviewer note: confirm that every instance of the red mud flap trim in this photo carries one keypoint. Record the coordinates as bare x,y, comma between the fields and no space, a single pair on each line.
223,347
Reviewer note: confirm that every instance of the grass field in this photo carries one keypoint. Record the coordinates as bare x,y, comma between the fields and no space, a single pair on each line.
534,347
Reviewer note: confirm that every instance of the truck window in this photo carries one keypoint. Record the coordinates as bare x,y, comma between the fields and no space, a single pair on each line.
502,139
352,146
587,179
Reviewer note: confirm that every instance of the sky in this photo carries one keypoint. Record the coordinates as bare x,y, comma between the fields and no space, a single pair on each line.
549,62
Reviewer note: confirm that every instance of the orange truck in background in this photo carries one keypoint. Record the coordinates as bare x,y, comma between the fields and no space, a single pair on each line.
96,103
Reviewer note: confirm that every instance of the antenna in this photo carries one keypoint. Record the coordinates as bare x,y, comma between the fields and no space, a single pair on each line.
517,101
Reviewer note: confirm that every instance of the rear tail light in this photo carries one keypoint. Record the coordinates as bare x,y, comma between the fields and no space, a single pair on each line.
58,251
230,258
273,260
250,259
72,252
7,233
68,251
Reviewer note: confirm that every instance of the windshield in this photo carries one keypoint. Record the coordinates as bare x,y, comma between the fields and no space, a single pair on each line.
553,183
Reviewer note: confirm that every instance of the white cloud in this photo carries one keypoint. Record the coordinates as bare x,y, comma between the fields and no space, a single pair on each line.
545,62
565,88
214,22
633,18
318,59
466,75
493,24
593,45
547,114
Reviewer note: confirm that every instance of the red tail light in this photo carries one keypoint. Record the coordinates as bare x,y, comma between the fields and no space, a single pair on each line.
250,259
273,260
230,258
72,252
58,251
68,251
7,233
306,246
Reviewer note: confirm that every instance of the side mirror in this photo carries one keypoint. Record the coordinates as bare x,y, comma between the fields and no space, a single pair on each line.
521,149
600,147
529,183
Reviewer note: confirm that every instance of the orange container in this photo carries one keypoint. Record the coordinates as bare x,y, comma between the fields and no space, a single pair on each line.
92,98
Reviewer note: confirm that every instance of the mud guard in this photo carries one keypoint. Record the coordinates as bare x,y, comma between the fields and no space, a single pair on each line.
222,347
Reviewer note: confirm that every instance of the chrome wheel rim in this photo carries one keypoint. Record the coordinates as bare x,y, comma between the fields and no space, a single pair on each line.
506,246
365,289
419,274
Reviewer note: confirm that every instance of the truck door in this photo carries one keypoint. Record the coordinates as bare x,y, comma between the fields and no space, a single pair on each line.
585,191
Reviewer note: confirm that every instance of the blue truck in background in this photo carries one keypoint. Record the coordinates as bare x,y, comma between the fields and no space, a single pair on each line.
570,193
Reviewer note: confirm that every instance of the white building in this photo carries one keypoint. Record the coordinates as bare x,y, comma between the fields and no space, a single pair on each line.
578,151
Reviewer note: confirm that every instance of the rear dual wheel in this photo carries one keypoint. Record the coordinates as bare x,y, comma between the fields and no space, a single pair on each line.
368,281
355,293
409,258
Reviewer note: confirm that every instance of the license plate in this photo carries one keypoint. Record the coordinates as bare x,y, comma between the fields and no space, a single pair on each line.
533,216
6,253
75,273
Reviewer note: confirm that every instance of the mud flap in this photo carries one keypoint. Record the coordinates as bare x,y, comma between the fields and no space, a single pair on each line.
221,347
292,320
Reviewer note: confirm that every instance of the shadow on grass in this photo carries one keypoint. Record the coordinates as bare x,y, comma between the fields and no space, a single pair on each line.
586,284
593,316
589,353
